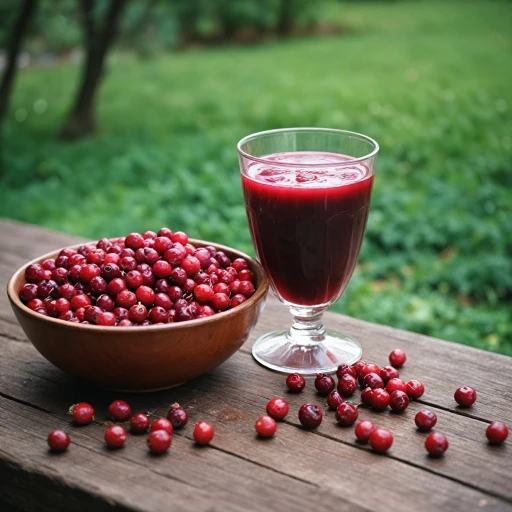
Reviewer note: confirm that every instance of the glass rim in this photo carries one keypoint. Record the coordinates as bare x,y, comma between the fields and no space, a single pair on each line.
267,161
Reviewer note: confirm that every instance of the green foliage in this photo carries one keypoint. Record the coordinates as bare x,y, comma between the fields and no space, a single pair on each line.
431,85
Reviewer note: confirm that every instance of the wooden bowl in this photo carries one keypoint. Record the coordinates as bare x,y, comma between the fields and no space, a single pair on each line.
141,358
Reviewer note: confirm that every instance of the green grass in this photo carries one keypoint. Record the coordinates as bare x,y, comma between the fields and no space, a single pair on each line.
429,80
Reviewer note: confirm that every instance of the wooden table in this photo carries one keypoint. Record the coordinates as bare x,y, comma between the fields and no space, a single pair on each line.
296,470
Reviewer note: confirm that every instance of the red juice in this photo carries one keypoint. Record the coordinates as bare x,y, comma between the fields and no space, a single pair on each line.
307,223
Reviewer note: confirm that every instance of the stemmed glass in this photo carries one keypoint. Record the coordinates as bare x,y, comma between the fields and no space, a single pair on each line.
307,194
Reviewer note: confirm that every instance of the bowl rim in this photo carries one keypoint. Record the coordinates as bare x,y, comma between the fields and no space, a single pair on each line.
260,293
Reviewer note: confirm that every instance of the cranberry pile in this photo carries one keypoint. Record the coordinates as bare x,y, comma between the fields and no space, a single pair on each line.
148,279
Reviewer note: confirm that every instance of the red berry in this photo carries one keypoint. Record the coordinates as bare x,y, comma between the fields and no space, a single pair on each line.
334,400
105,303
162,269
366,396
89,272
28,292
277,408
369,368
82,413
203,433
358,366
397,358
66,291
425,420
398,401
363,430
379,399
373,380
162,244
310,415
145,295
380,440
128,263
324,384
347,385
115,436
396,384
203,293
159,441
119,410
177,416
134,241
497,432
346,414
106,318
34,273
465,396
415,389
239,264
162,424
246,288
191,265
58,440
345,368
116,286
139,423
237,300
180,237
295,382
158,315
436,444
125,299
265,426
134,279
387,373
220,302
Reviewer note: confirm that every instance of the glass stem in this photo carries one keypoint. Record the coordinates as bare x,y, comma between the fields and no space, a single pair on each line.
307,327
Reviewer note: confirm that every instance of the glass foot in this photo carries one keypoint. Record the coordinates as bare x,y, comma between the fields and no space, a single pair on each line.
277,352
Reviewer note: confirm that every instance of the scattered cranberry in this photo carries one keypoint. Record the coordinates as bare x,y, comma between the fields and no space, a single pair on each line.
115,436
159,441
366,396
345,368
380,440
397,358
203,433
82,413
387,373
373,380
465,396
334,399
346,414
119,410
398,401
379,399
363,430
358,366
369,368
310,415
415,389
177,416
347,385
58,440
497,432
139,423
396,384
436,444
425,420
295,382
324,384
265,426
277,408
162,424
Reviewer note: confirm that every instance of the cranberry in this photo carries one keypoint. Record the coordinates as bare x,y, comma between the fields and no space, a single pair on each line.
223,259
51,308
161,424
246,288
397,358
334,399
346,414
220,302
88,272
310,415
159,441
66,291
497,432
110,271
28,292
203,433
277,408
105,302
138,313
436,444
179,237
246,275
398,401
380,440
62,305
106,319
127,253
48,264
177,416
112,259
46,288
115,436
211,250
125,323
189,285
126,299
165,232
415,389
425,420
363,430
191,265
324,384
234,287
162,244
175,293
35,304
373,380
116,286
147,255
119,410
158,315
139,423
174,256
97,257
128,264
464,396
134,279
358,366
60,275
80,301
239,264
265,426
295,382
145,295
237,300
76,259
396,385
34,273
69,316
91,314
369,368
74,273
162,286
205,311
203,255
104,244
162,269
58,440
178,276
379,399
387,373
366,396
149,234
41,311
134,241
82,413
344,369
347,385
222,288
98,285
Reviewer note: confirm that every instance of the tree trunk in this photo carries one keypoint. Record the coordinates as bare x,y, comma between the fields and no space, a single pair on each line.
13,50
80,120
285,24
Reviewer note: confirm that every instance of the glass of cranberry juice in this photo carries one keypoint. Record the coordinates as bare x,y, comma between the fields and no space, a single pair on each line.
307,194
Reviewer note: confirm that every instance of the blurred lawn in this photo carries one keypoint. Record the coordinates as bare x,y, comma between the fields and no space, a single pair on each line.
431,81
